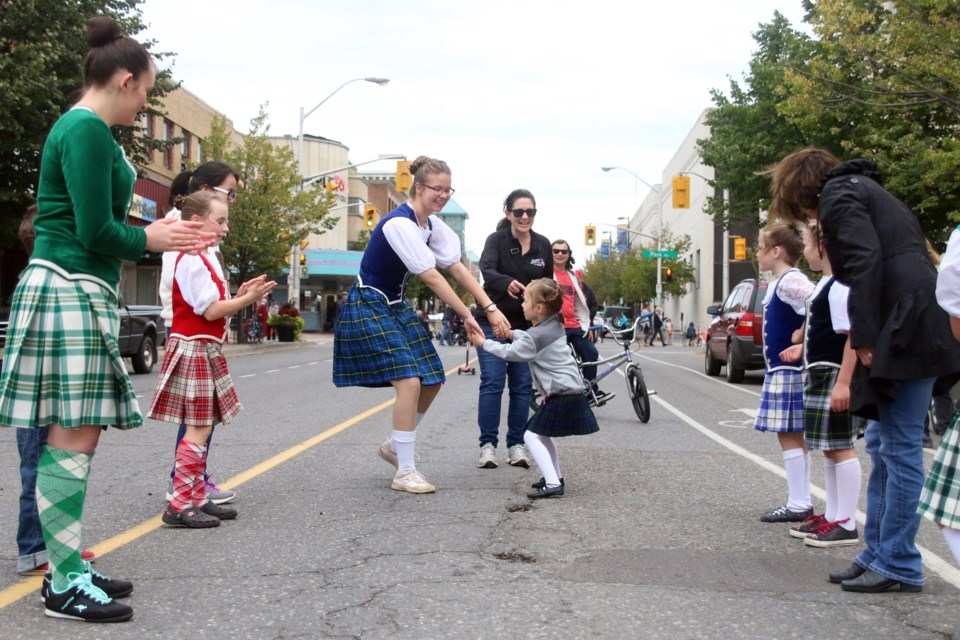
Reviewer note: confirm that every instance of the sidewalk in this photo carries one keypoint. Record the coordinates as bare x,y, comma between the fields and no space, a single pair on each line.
234,350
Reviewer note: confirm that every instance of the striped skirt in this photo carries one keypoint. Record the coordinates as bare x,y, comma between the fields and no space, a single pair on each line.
822,428
940,500
562,416
781,403
62,364
376,343
194,387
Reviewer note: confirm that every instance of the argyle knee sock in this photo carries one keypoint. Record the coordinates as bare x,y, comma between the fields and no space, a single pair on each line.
199,493
61,493
188,467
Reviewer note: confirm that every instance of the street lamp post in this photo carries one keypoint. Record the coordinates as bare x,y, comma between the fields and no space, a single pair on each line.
656,190
294,250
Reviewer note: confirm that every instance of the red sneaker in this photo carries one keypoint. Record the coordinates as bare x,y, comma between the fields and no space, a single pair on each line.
86,554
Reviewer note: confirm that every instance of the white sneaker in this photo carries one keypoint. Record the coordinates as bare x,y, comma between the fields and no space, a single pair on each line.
387,454
488,457
518,456
411,482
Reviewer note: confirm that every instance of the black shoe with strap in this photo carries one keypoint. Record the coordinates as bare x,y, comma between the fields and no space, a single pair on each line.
541,483
546,492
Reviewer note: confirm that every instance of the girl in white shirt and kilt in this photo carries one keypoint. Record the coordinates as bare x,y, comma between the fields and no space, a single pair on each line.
378,340
194,387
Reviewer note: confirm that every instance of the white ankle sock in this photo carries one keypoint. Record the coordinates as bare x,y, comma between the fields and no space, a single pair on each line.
830,488
539,447
952,536
848,492
798,496
404,442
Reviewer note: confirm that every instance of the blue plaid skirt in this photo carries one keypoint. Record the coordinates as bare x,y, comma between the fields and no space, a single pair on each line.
376,343
781,403
562,416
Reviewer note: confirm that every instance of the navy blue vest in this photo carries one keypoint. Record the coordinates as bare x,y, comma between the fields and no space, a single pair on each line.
822,345
381,268
779,323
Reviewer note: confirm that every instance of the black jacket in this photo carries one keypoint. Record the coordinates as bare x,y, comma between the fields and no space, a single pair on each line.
502,262
876,248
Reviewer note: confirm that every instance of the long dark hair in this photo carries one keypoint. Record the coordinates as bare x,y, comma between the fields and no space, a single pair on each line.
110,51
513,196
209,174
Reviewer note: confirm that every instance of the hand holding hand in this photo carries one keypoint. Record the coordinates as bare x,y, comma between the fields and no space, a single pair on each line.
500,324
474,332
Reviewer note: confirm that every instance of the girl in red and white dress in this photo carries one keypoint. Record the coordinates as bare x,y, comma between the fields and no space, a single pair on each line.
194,387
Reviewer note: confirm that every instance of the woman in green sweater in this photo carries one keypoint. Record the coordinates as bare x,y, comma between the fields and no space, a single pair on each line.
63,369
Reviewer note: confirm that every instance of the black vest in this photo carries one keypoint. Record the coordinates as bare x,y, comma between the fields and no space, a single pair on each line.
822,345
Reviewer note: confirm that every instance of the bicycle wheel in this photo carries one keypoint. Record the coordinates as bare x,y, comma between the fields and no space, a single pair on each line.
637,389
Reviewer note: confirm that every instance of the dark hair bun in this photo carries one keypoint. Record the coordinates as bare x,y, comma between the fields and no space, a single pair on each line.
418,163
101,31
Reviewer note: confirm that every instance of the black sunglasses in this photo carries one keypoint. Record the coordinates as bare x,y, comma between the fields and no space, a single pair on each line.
518,213
561,251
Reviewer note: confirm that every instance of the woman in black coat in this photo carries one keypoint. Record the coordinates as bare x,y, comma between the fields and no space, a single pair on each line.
901,336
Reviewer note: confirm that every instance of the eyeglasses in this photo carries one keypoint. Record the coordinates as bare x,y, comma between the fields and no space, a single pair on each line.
444,191
561,252
518,213
230,193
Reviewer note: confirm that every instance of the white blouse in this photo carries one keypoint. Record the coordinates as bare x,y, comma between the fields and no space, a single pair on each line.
409,241
197,288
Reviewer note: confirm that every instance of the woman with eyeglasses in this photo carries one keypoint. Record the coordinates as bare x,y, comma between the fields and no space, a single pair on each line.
378,341
513,256
576,313
221,180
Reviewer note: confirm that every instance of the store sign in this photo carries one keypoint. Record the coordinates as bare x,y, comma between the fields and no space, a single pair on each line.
143,208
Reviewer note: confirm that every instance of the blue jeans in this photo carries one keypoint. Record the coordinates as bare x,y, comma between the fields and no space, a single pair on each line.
494,374
31,549
586,351
446,336
896,479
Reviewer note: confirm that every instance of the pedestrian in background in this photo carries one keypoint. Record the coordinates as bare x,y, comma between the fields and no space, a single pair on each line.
554,371
576,316
219,179
446,331
513,255
656,320
691,334
378,341
901,336
194,387
83,197
779,247
828,361
940,499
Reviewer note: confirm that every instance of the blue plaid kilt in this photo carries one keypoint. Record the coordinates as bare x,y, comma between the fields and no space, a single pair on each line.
940,500
822,428
562,416
781,403
376,343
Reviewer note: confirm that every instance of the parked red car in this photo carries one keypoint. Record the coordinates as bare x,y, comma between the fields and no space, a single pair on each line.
735,337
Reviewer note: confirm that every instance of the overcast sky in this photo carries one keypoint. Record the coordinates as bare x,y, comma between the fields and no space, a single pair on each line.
535,94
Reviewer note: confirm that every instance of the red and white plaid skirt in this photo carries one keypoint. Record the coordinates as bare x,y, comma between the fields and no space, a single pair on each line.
194,387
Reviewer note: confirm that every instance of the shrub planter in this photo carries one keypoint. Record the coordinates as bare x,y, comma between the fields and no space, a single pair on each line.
284,332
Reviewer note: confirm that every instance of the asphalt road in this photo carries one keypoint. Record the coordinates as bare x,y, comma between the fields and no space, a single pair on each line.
656,537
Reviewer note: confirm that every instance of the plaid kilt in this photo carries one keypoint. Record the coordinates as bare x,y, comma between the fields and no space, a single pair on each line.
940,500
62,364
781,403
563,416
822,428
194,387
376,343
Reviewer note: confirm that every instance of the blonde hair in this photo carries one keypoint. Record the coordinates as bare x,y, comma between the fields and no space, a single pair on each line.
425,166
779,234
195,204
547,292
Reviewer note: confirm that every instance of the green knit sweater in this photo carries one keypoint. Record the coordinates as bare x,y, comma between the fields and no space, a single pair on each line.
86,185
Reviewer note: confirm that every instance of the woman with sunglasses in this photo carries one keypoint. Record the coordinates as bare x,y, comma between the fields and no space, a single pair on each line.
576,313
513,256
221,180
378,341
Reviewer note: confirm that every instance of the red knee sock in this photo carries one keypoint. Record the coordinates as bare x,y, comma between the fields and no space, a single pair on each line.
190,463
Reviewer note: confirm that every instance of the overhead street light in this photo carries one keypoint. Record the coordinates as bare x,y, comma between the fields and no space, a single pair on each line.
656,190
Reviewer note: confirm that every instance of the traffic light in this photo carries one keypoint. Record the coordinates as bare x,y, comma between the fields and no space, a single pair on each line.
303,259
331,192
669,274
404,177
590,236
369,216
681,192
740,248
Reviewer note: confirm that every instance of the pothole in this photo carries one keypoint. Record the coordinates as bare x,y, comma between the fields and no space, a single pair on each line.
520,507
514,556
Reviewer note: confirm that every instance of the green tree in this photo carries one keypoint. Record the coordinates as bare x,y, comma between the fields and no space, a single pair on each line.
627,275
41,56
271,213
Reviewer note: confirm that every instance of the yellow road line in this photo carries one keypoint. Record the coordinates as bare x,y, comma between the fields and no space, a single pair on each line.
32,584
